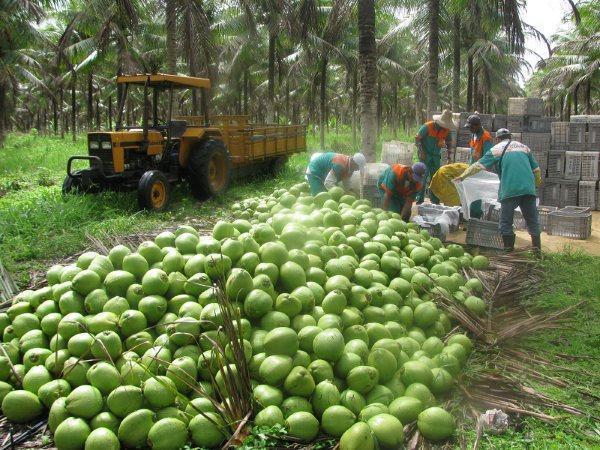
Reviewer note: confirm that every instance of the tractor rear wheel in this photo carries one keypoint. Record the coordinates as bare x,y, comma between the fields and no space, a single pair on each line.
154,191
209,169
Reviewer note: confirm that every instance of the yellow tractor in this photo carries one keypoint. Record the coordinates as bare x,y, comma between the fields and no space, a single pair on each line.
207,151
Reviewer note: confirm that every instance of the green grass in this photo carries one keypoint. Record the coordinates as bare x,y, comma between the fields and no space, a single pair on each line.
568,279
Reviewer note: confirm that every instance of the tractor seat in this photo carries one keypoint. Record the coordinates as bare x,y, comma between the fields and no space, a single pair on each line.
177,128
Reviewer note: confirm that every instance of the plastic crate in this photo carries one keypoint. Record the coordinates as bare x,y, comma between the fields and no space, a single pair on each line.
536,141
463,138
577,136
541,156
483,233
493,215
487,121
516,136
396,152
588,196
551,192
526,106
590,163
573,165
593,137
430,212
560,135
499,121
575,223
372,173
569,191
540,124
514,123
372,194
556,164
543,212
462,155
434,230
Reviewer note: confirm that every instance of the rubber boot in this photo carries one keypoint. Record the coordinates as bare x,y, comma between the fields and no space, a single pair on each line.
536,243
509,242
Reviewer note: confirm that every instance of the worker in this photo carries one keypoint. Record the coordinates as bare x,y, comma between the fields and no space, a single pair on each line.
430,139
399,185
326,170
481,142
519,175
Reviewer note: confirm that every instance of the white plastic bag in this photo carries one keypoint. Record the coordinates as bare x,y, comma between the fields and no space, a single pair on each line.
481,186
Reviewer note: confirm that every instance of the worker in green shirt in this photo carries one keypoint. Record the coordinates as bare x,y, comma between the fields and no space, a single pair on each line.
519,175
430,139
326,170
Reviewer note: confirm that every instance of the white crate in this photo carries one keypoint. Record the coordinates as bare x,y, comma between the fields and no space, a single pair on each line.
462,155
372,173
588,194
395,152
536,141
573,165
556,164
593,137
525,106
590,163
577,136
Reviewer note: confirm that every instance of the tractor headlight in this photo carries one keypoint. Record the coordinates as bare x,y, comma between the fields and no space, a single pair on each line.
106,145
94,145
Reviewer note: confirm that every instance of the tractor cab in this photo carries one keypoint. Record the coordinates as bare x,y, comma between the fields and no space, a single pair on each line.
120,158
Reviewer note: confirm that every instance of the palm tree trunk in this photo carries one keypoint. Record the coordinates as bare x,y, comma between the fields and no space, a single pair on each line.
576,99
171,25
90,101
368,75
110,112
323,97
394,114
73,106
2,110
354,96
588,96
475,91
98,113
271,79
456,66
379,107
434,37
54,115
470,83
246,92
62,112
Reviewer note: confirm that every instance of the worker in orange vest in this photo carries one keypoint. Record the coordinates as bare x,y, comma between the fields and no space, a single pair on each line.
399,185
480,144
430,139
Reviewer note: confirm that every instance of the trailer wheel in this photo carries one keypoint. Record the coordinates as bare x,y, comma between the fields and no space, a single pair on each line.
277,165
154,191
209,169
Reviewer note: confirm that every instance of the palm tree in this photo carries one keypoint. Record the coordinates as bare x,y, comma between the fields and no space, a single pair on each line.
367,66
433,60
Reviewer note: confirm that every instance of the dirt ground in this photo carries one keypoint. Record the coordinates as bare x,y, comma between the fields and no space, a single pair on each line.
552,243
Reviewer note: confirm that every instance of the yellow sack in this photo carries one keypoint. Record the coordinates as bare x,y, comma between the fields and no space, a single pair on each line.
442,186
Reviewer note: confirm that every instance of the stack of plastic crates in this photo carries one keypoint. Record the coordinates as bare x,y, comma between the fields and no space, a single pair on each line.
588,194
499,121
483,233
560,135
593,137
536,141
573,165
514,123
396,152
369,188
463,138
540,124
572,222
541,156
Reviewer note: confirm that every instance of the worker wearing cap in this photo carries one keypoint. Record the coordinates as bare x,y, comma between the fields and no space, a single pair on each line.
328,169
481,143
519,175
399,185
430,139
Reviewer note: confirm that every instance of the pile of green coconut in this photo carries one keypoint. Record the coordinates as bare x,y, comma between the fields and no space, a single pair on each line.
336,329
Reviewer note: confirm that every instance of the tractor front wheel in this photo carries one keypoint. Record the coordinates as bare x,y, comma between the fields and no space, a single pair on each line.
154,191
209,169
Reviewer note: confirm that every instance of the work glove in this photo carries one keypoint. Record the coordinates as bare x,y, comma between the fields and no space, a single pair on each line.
538,177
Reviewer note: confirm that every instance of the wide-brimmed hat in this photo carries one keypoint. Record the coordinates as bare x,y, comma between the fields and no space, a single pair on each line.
445,120
418,171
